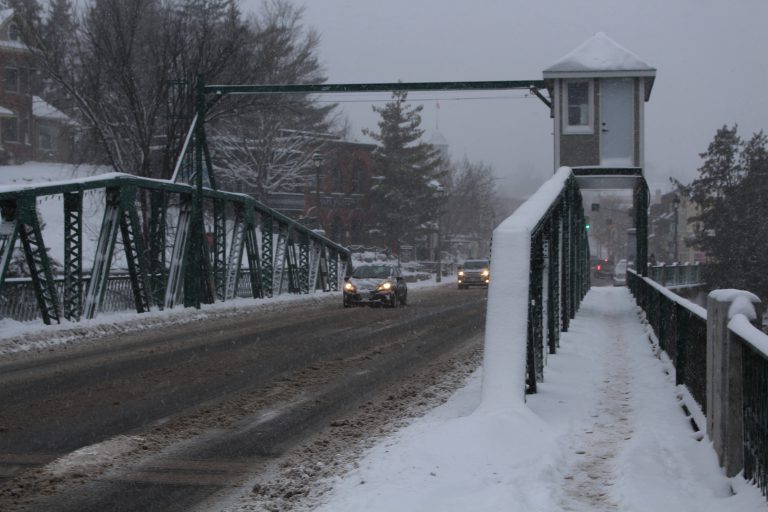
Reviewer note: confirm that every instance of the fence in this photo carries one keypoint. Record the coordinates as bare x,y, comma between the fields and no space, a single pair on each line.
18,301
676,275
722,358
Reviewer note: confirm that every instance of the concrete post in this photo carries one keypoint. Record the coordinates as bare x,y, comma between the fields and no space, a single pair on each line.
725,415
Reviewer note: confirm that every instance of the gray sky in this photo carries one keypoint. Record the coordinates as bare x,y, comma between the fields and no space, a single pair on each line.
709,56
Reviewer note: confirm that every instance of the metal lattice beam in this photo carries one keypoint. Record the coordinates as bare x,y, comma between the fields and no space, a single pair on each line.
73,255
37,259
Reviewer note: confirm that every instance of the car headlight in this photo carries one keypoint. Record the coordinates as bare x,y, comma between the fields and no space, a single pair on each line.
485,272
461,272
384,286
349,287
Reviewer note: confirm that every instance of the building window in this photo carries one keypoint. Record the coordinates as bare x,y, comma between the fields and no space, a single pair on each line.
578,106
337,180
45,138
13,32
336,229
10,128
357,179
11,80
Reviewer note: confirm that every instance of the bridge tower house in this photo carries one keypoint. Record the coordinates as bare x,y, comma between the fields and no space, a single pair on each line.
598,93
598,96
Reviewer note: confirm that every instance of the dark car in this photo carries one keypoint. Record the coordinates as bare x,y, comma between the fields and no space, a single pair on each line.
375,285
474,273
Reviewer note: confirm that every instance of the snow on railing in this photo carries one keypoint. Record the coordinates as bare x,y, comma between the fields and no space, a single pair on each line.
508,319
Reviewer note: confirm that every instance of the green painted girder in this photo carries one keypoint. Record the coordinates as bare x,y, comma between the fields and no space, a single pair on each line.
219,248
8,235
37,259
304,264
157,241
73,255
487,85
267,255
252,253
133,245
174,290
235,254
333,269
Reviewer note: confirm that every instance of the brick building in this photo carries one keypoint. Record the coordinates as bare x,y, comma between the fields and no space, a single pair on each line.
30,128
336,197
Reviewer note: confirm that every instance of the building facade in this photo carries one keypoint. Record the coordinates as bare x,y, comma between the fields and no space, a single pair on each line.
30,128
336,199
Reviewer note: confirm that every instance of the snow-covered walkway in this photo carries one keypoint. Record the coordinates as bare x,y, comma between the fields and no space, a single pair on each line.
606,432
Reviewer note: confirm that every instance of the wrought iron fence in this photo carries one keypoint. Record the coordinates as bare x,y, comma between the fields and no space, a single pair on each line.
755,400
681,328
676,275
19,302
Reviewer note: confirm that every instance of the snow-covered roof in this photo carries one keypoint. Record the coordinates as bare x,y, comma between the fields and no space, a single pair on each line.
600,53
44,110
601,56
437,139
5,15
4,112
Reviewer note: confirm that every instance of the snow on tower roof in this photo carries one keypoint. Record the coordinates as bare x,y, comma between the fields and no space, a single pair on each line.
600,53
601,56
437,139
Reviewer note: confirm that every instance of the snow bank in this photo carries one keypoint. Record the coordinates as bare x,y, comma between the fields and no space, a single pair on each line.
507,315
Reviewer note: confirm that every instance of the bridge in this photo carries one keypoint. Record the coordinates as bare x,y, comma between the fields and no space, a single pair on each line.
540,269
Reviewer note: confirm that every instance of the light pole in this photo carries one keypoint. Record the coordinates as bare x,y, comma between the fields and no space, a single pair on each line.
675,206
317,161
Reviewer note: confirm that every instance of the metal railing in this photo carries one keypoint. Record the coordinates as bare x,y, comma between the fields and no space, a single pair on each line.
540,274
18,301
681,328
754,346
687,274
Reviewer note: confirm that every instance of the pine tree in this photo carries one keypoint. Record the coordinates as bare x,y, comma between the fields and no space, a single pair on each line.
409,193
732,195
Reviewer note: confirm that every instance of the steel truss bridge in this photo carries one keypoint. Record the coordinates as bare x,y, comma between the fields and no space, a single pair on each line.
198,269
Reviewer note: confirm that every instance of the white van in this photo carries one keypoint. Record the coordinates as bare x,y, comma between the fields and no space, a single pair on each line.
620,273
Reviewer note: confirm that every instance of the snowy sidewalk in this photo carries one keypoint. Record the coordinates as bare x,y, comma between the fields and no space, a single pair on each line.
605,433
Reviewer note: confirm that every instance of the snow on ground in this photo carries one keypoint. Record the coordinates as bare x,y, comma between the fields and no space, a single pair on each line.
606,432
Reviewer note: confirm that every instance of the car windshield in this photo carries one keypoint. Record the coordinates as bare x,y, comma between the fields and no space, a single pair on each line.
476,264
372,271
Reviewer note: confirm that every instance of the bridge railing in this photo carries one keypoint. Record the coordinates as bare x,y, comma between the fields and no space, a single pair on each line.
539,275
681,329
686,274
721,357
168,257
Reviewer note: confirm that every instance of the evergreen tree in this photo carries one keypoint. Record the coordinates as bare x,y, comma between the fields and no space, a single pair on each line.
732,195
409,193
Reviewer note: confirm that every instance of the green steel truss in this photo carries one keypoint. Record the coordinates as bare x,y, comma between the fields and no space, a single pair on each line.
159,259
559,277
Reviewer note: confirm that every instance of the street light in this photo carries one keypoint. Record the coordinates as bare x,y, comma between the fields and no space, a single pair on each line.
317,161
675,206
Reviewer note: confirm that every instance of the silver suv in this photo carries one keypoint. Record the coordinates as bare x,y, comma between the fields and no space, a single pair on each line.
474,273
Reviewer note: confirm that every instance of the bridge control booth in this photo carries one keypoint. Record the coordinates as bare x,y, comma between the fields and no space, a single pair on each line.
598,96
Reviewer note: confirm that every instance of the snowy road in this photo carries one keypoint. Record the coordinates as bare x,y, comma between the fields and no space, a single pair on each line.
161,420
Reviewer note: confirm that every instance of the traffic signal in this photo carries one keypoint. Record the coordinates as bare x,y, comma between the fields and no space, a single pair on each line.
586,223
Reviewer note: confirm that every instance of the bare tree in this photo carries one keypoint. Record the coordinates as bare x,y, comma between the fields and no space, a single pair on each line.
471,208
